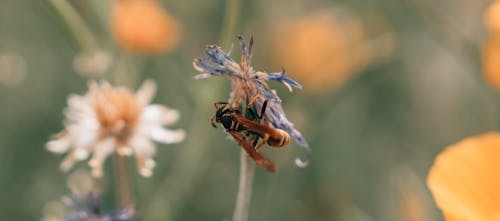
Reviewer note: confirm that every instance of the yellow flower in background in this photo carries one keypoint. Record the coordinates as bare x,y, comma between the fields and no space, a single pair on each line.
144,26
492,17
109,120
323,50
465,181
491,62
491,49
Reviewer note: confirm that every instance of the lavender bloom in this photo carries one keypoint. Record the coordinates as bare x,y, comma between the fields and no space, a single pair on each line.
89,210
247,83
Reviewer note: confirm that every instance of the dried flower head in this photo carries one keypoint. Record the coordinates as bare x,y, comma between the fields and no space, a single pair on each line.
247,84
464,179
110,120
144,26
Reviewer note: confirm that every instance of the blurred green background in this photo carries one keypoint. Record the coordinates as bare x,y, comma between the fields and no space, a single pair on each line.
373,136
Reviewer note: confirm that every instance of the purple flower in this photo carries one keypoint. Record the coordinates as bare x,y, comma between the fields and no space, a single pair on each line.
88,208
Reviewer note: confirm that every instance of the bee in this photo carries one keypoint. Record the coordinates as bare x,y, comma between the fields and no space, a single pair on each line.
239,126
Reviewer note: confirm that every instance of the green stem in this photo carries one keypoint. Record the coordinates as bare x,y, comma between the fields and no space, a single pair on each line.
190,162
247,171
124,195
76,25
230,22
247,166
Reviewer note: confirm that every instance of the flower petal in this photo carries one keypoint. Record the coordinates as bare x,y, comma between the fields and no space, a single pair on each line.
59,145
81,135
167,136
144,150
146,92
68,162
464,179
158,114
101,151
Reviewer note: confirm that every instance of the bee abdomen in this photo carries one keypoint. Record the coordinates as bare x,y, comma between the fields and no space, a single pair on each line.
279,139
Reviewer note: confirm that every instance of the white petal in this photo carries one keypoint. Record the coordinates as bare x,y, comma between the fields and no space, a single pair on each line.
81,154
77,102
159,114
79,116
143,146
104,147
93,86
146,92
101,151
145,165
67,163
60,145
146,172
167,136
81,136
124,151
150,163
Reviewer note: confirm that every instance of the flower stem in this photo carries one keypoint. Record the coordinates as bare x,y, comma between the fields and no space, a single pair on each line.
247,171
81,32
124,196
247,166
230,22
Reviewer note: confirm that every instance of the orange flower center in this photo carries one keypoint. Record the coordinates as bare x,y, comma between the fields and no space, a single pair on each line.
117,112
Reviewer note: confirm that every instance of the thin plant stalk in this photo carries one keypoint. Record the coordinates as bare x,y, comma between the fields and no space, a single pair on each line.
80,31
125,73
244,195
230,22
247,171
189,164
247,166
124,195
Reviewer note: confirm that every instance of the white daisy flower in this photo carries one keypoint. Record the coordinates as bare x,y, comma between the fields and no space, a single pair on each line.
109,120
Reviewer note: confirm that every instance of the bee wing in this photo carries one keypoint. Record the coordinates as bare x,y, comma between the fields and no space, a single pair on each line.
250,124
259,159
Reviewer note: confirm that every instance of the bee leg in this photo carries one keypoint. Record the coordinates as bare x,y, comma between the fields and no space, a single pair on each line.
252,114
252,101
264,141
263,110
212,121
254,142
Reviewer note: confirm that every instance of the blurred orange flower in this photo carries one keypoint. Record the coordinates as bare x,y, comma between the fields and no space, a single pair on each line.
491,49
144,26
464,179
323,49
491,62
492,17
